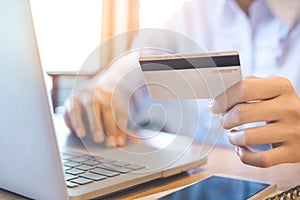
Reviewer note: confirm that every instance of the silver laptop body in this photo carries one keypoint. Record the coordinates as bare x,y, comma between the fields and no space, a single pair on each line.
30,150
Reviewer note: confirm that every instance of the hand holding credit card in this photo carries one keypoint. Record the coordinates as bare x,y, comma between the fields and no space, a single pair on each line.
190,76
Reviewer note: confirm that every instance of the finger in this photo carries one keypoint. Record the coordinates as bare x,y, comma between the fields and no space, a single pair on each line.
264,158
110,128
67,120
108,118
268,134
67,106
120,118
93,114
250,89
75,118
98,130
263,111
121,126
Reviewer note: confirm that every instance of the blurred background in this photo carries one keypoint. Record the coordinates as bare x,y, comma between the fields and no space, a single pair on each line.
68,31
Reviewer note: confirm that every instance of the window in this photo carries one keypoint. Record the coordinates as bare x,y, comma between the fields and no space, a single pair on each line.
67,31
154,13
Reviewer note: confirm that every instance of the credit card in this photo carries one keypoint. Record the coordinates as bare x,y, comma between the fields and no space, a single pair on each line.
190,76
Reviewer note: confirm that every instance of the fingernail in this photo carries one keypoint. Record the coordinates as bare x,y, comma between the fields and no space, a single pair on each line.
98,137
80,133
237,150
231,133
212,103
237,138
111,141
228,134
222,117
121,141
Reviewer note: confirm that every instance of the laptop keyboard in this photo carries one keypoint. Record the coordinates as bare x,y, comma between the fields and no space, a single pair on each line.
84,169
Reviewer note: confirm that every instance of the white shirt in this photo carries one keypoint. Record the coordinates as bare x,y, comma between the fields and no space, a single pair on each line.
268,40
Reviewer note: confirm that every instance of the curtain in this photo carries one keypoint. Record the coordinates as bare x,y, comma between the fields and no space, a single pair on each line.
118,17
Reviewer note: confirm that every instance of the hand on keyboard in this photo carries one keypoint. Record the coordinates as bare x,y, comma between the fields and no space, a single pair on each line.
99,112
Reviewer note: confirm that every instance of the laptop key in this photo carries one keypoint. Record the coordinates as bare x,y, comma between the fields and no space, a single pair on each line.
79,159
71,185
70,177
75,171
72,164
81,181
92,162
67,156
64,160
85,167
114,168
104,172
105,160
93,176
120,163
66,168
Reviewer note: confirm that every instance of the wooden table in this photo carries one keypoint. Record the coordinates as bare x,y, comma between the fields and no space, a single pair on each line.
221,160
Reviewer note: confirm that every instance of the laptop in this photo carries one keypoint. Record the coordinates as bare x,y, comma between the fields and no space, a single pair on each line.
40,158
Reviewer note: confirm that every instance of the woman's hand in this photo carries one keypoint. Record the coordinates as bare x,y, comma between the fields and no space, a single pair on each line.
270,100
98,112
